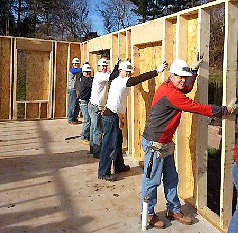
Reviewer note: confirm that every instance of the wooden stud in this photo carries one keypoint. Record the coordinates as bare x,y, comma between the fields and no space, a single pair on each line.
181,52
202,95
50,91
228,125
114,52
15,82
167,46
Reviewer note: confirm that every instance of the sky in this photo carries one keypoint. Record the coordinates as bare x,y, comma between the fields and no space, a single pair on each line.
97,23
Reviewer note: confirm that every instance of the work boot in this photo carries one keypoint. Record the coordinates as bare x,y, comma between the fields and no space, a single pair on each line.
154,221
96,156
180,217
125,168
111,177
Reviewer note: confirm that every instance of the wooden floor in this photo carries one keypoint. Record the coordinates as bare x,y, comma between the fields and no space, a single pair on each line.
49,184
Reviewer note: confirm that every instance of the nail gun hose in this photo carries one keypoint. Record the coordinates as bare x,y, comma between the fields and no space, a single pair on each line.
150,164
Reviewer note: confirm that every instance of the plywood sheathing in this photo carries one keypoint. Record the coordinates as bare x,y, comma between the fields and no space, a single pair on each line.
32,111
93,59
99,43
61,65
146,58
75,51
148,33
5,80
37,75
114,52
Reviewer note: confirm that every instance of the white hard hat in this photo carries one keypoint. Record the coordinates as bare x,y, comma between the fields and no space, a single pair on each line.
180,68
125,65
75,61
102,62
86,68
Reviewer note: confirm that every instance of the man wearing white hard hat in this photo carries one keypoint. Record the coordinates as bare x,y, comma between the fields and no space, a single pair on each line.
73,91
85,87
168,103
116,105
97,103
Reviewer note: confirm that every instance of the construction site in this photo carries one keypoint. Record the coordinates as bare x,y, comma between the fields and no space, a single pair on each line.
48,178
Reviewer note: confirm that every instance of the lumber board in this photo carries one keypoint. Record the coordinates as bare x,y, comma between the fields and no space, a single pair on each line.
50,91
181,52
5,80
34,44
129,107
202,97
14,81
60,87
228,125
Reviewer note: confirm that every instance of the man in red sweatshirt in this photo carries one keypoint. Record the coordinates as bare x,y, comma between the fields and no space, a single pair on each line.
168,103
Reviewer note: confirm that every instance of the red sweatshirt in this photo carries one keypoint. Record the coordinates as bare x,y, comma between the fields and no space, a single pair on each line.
167,106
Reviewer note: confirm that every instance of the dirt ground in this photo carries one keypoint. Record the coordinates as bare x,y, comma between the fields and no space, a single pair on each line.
49,184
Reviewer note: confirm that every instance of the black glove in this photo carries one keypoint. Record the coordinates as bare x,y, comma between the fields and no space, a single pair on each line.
117,64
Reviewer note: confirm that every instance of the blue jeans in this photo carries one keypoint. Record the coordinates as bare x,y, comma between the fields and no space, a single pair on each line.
109,144
160,166
233,227
73,110
86,120
95,129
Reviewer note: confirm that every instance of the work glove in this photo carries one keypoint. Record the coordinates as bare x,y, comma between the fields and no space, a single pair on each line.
197,61
162,67
117,64
232,107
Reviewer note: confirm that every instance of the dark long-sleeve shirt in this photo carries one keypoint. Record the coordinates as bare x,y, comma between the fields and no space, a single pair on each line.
85,87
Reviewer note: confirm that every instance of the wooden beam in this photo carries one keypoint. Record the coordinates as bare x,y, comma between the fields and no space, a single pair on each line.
15,81
32,101
228,125
50,91
34,44
181,53
202,96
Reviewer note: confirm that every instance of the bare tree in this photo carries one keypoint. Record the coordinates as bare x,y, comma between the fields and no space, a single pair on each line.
117,14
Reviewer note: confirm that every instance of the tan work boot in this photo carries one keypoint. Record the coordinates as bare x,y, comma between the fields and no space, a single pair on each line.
180,217
154,221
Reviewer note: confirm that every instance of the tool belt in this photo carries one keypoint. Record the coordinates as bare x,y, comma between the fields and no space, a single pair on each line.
163,149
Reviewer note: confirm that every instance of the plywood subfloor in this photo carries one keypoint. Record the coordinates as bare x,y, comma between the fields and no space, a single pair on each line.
49,184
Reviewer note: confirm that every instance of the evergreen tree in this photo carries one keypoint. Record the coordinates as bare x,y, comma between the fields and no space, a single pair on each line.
151,9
